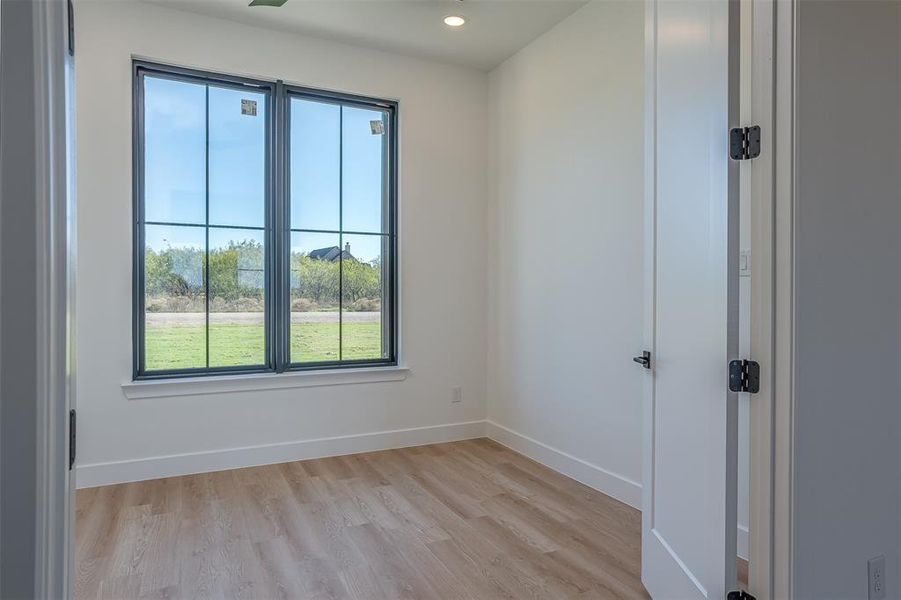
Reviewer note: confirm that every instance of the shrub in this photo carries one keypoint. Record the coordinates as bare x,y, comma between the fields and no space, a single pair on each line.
155,305
304,305
365,305
175,304
181,304
244,304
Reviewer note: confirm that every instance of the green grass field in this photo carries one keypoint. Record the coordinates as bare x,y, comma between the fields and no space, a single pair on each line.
182,346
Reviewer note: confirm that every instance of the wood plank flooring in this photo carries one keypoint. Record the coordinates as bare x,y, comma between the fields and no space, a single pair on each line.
468,520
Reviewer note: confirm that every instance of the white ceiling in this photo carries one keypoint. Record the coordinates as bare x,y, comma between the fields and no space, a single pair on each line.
494,31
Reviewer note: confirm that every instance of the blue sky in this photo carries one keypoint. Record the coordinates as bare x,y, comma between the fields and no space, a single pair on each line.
175,168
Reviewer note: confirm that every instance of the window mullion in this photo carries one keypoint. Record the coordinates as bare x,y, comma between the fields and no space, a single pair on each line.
206,229
281,292
341,233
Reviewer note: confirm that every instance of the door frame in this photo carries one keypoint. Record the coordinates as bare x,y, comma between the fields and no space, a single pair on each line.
762,303
54,553
773,107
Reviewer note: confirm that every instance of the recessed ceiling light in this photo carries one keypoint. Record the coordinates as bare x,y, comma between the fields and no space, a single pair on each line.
454,21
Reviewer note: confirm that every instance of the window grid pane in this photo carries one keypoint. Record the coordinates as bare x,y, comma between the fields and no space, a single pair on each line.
361,299
175,183
237,279
175,324
315,321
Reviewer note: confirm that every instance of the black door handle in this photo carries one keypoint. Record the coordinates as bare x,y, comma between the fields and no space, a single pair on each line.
644,360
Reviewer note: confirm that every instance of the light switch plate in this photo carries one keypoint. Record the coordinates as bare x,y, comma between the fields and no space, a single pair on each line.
744,263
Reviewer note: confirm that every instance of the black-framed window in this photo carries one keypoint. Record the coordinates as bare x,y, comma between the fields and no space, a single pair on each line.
265,226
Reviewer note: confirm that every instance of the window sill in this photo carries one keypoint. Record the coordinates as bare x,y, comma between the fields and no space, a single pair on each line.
226,384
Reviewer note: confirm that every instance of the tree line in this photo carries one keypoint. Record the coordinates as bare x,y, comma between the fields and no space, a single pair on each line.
174,277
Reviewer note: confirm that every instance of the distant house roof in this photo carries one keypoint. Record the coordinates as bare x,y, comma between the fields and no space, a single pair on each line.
332,253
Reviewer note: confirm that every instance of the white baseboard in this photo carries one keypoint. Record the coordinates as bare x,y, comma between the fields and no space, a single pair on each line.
607,482
612,484
92,475
97,474
604,481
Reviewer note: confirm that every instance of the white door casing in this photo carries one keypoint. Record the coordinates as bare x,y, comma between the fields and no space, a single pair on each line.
55,214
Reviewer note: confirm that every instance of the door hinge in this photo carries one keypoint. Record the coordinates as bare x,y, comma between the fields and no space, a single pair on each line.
71,438
70,10
740,595
744,143
744,376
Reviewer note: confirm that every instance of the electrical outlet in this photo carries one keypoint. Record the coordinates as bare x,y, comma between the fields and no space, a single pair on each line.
456,394
876,577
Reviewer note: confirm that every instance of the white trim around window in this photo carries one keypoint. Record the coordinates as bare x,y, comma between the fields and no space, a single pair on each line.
224,384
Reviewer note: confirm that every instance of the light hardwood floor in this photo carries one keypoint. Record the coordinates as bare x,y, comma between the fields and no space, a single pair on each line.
467,519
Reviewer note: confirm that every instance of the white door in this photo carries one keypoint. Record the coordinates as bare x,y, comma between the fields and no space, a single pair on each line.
690,443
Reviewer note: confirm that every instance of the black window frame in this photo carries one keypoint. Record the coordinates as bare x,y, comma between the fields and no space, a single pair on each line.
277,225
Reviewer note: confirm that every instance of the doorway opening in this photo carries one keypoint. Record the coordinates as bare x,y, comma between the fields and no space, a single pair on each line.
518,175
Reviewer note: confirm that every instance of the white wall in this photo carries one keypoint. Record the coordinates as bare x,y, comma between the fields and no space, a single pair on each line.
443,237
567,283
847,306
